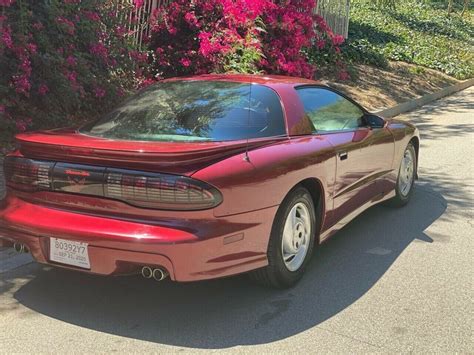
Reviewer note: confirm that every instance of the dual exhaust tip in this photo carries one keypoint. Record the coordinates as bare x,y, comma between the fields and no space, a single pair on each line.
156,273
20,248
147,272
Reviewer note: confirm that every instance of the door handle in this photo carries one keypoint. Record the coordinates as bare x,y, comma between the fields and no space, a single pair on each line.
343,155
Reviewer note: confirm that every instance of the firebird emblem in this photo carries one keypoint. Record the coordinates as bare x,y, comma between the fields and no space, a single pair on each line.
77,173
77,177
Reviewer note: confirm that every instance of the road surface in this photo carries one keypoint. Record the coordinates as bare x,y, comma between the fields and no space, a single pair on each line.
394,280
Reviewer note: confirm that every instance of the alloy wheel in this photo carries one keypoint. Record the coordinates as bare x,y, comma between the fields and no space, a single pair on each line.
296,236
407,172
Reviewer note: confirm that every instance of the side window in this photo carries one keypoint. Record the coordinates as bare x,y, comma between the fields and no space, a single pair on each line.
329,111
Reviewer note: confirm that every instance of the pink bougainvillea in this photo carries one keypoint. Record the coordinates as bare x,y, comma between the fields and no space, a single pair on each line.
43,89
22,124
21,84
99,50
71,61
99,92
138,3
92,15
6,2
241,35
59,63
205,36
6,37
66,24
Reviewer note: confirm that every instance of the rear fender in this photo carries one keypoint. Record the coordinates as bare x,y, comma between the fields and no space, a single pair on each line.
270,173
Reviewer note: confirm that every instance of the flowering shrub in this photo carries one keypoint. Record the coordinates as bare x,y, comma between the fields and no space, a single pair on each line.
203,36
292,29
326,53
247,36
61,61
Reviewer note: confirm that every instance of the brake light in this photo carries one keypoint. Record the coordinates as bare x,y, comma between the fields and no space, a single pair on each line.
27,175
141,189
161,191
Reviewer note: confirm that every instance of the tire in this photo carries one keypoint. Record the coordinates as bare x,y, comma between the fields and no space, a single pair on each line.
278,273
404,190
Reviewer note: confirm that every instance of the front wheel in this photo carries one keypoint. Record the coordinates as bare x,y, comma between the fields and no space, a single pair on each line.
406,177
291,241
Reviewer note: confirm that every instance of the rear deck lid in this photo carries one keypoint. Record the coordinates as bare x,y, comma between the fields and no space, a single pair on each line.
68,145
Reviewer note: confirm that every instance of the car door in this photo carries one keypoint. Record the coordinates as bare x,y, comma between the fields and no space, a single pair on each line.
363,153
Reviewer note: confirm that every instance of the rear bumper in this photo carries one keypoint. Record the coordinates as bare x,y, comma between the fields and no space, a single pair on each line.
196,249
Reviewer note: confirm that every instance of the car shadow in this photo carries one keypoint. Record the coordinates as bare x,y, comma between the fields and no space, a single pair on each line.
228,312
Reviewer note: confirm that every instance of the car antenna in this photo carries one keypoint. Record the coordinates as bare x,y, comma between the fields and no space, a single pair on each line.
246,156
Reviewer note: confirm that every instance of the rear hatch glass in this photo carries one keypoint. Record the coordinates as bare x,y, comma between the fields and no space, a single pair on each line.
194,111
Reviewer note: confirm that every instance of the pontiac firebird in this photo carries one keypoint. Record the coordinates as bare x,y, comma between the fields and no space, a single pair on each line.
205,177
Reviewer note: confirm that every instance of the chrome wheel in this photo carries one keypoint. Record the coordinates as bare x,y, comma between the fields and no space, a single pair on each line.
296,236
406,173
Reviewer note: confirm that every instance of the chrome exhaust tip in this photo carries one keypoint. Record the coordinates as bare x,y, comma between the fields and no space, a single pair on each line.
147,272
19,248
160,274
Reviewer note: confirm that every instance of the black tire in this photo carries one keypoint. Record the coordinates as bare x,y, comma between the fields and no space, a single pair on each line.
401,199
276,274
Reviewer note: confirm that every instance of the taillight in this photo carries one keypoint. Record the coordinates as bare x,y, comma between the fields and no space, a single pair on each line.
141,189
162,191
27,175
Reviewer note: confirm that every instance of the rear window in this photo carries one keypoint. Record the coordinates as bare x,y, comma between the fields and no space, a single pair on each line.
194,111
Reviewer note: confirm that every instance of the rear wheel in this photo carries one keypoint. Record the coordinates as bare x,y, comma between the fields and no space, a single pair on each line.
406,177
291,241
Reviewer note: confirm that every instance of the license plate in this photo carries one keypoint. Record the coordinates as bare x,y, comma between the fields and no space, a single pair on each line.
69,252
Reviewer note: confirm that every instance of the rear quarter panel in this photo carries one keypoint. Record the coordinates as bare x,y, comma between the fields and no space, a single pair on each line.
270,174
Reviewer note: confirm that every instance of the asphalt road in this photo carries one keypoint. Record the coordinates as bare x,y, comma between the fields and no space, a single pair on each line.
394,280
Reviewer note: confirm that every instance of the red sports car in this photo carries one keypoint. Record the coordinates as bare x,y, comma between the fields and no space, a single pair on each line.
204,177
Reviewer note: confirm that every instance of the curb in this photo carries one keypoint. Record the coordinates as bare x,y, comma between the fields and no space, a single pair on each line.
425,99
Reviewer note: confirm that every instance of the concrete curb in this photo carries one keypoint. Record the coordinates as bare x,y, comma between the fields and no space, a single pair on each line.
425,99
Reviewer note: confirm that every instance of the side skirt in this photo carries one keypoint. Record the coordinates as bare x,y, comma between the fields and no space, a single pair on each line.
344,221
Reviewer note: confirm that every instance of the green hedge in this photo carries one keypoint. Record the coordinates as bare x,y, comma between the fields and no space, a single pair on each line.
418,32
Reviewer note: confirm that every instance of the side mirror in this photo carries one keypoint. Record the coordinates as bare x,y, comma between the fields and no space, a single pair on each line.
373,121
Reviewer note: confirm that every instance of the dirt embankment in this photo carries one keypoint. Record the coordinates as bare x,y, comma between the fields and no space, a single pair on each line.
377,88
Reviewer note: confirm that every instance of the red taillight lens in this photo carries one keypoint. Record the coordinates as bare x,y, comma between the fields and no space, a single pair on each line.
141,189
161,191
27,175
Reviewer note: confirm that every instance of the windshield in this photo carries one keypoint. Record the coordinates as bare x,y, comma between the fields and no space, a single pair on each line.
193,111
